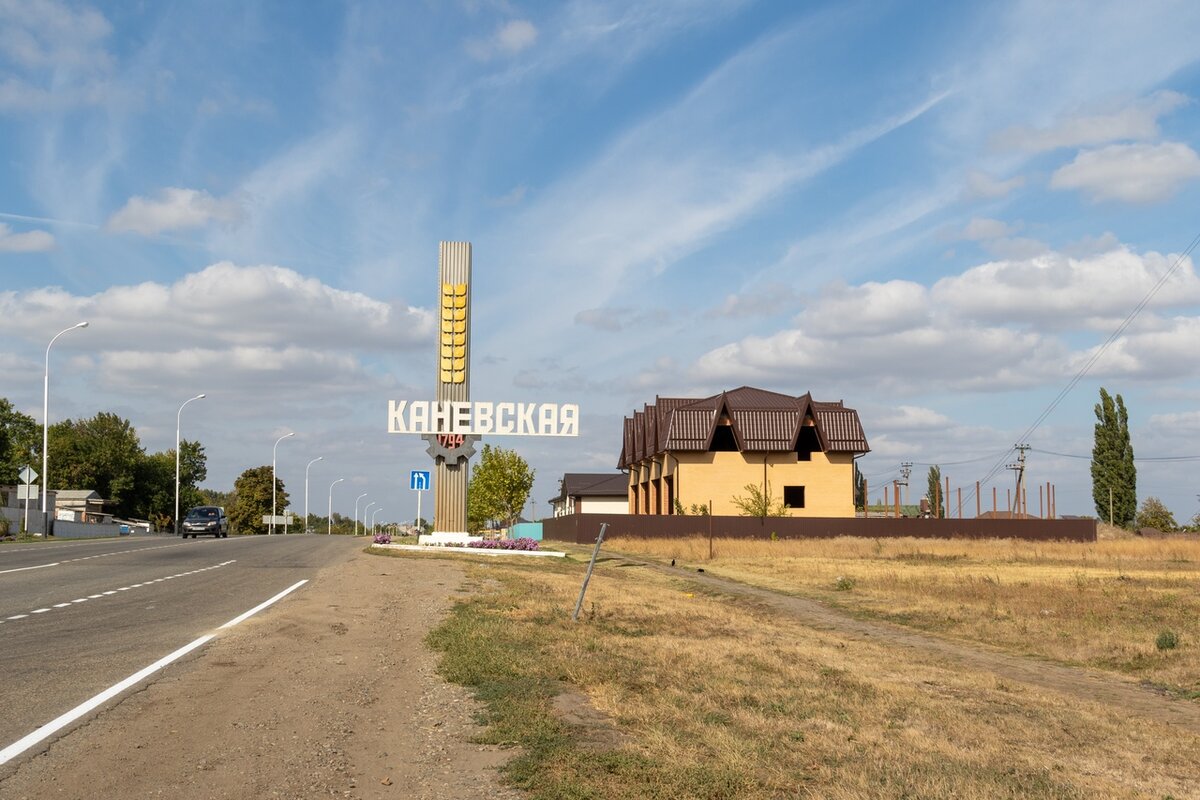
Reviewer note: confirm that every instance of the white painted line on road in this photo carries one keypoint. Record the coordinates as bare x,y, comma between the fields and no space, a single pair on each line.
23,569
122,589
85,558
52,727
263,605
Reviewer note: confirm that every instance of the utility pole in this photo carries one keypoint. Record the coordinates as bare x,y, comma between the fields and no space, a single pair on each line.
1019,468
905,472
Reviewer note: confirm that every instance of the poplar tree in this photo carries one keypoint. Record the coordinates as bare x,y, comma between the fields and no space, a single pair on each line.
1114,476
933,484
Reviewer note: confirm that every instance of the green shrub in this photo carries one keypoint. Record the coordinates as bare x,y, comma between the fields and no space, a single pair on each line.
1167,640
843,583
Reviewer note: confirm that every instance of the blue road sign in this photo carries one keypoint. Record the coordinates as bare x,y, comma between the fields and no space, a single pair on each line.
418,480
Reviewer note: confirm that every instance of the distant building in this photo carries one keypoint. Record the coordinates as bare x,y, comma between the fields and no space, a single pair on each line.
80,505
683,453
592,493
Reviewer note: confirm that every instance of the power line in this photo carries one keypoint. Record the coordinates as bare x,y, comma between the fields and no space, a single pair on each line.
1091,362
1135,458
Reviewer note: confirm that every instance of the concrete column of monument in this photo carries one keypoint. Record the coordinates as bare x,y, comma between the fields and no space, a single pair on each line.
453,378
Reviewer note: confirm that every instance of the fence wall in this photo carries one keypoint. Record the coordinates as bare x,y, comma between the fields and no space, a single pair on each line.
583,528
63,529
16,515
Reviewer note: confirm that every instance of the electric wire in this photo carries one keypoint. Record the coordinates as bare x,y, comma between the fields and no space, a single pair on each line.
1091,362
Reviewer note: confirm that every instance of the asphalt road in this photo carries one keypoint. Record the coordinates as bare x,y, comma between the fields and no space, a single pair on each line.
78,617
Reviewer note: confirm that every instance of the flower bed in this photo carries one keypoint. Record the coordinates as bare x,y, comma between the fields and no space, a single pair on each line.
524,543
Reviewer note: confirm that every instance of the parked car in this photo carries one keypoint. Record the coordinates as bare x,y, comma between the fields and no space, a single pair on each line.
207,520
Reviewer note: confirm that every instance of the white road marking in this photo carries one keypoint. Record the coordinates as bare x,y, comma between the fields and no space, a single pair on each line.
23,569
57,724
122,589
82,558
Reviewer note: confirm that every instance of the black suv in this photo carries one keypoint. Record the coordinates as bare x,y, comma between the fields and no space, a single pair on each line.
206,520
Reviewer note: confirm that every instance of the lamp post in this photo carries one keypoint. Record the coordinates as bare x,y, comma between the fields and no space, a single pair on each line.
178,417
329,518
373,513
46,431
365,509
360,497
315,460
271,529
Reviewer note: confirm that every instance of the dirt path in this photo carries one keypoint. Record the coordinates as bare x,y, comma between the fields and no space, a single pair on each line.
1086,684
329,694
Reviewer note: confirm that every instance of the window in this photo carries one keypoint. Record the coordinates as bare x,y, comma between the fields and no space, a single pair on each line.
807,443
723,440
793,496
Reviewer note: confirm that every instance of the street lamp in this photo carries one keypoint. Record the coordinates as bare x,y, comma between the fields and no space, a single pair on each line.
178,417
329,518
46,431
315,460
360,497
271,529
373,513
365,509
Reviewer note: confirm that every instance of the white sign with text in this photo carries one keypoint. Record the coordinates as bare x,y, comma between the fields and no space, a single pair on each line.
478,418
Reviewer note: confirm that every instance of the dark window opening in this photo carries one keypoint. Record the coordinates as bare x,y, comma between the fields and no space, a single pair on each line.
793,496
723,441
807,443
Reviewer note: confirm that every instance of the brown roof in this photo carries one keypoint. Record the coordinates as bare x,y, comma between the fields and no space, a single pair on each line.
590,484
762,421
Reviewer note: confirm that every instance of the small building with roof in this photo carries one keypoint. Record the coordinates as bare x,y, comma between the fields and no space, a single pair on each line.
684,453
592,493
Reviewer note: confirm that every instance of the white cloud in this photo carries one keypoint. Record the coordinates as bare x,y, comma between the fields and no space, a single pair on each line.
867,310
508,39
515,36
998,326
1134,173
1177,423
980,185
1056,290
763,301
981,229
947,356
1158,350
173,209
1137,121
46,33
223,306
616,319
28,242
911,418
60,52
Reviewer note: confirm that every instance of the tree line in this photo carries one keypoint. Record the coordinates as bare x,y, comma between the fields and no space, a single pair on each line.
104,454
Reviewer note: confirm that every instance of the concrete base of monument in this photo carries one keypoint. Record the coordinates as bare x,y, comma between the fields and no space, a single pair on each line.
475,551
448,537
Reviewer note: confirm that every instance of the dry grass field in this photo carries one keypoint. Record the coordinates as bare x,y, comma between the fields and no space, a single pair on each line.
1116,604
719,697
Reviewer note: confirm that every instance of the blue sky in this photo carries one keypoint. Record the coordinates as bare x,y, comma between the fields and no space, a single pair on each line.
936,212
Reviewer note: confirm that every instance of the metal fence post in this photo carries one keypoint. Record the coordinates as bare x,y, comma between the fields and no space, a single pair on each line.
588,576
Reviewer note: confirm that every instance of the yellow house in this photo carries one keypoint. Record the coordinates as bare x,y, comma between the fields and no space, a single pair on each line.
683,453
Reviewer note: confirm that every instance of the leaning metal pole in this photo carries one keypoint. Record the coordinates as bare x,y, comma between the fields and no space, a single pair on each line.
588,576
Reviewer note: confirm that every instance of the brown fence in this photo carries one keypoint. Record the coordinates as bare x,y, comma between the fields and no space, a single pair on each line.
583,528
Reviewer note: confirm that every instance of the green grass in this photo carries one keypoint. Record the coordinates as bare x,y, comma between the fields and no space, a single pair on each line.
715,723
